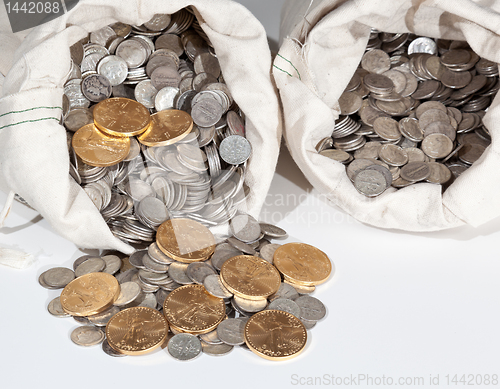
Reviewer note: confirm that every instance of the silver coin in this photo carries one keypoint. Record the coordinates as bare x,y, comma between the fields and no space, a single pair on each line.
58,277
311,308
114,68
177,271
158,255
371,183
206,113
133,52
232,331
241,246
77,118
267,252
158,22
422,45
165,98
129,291
211,337
87,336
273,231
92,265
198,271
214,286
113,263
101,319
136,259
154,266
96,88
216,350
145,93
149,301
55,308
245,228
285,291
110,351
286,305
250,305
184,347
235,150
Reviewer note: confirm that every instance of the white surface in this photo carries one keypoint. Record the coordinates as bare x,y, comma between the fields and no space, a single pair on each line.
399,305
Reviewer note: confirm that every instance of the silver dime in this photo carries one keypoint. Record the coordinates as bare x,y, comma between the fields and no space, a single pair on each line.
93,265
422,45
96,88
211,337
77,118
165,98
87,336
311,308
156,254
177,271
376,61
286,305
145,93
232,331
55,308
273,231
158,22
136,259
154,266
206,113
235,149
184,347
129,291
415,171
58,277
241,246
133,52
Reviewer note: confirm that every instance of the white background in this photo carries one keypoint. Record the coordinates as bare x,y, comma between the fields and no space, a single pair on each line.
400,305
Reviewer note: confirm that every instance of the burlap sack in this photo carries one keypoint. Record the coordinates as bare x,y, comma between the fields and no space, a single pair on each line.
33,149
323,42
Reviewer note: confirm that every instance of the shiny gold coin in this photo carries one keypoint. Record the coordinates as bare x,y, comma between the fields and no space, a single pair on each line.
192,309
90,294
275,335
167,127
121,117
303,264
95,148
250,277
185,240
136,331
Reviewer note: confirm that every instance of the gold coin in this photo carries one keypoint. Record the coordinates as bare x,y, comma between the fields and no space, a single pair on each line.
192,309
167,127
250,277
121,117
98,149
275,335
303,264
185,240
90,294
136,331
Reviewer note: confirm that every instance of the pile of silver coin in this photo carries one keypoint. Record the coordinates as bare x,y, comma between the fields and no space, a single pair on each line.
412,112
148,276
166,63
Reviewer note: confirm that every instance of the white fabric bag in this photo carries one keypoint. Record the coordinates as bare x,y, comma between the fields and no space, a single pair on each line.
323,42
33,148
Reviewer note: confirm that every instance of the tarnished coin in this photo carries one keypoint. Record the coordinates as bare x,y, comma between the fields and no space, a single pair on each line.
113,263
376,61
387,128
96,87
87,336
232,331
437,146
55,308
350,103
235,150
393,155
77,118
439,173
58,277
184,347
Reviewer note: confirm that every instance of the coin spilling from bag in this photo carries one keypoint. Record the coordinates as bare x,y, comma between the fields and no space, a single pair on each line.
190,295
154,131
412,113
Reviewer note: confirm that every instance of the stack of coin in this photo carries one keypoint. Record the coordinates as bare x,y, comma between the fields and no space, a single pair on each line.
149,116
190,295
412,113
